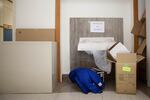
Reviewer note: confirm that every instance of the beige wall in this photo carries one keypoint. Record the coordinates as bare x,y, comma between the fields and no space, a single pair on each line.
34,14
26,67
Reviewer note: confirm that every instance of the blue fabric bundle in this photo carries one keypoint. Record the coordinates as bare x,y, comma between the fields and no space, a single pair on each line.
87,80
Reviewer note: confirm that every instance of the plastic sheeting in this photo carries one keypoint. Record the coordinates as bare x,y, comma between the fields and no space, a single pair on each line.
100,58
95,43
97,46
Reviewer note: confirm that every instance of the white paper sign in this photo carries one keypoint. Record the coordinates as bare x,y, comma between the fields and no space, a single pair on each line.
97,26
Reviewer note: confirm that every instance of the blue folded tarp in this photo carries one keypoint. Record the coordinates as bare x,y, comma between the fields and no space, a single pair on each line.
87,80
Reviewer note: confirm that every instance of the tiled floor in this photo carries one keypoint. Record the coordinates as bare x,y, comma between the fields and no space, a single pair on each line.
68,86
68,91
106,95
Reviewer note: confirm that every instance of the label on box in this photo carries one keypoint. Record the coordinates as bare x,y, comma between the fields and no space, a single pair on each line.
126,68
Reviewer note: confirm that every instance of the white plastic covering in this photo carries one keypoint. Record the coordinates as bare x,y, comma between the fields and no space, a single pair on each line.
97,46
95,43
100,60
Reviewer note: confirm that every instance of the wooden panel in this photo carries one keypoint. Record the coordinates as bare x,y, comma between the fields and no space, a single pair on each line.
35,34
27,67
135,8
59,76
80,27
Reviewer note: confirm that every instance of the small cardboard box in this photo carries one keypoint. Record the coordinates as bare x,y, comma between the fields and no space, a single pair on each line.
125,68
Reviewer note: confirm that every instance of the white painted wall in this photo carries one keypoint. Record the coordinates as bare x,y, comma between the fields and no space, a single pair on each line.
26,67
52,13
148,40
93,8
35,13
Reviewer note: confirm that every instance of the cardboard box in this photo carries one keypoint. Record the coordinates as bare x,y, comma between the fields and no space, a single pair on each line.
126,73
125,69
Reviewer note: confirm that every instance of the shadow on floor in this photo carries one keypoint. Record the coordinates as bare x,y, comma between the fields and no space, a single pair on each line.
143,87
68,86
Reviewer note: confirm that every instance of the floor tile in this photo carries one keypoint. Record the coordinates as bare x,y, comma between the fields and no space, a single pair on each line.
111,95
139,96
90,96
27,97
106,95
67,96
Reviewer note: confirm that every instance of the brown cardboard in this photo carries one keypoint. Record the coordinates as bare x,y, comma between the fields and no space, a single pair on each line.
142,33
117,48
112,60
142,47
126,73
7,26
109,57
137,28
139,56
126,58
35,34
1,26
126,70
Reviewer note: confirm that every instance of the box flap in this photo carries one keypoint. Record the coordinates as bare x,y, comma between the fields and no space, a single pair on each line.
111,61
140,58
126,57
110,58
113,46
142,47
118,48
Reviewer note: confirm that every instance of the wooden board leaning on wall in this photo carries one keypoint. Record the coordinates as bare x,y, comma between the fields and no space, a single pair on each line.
35,34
